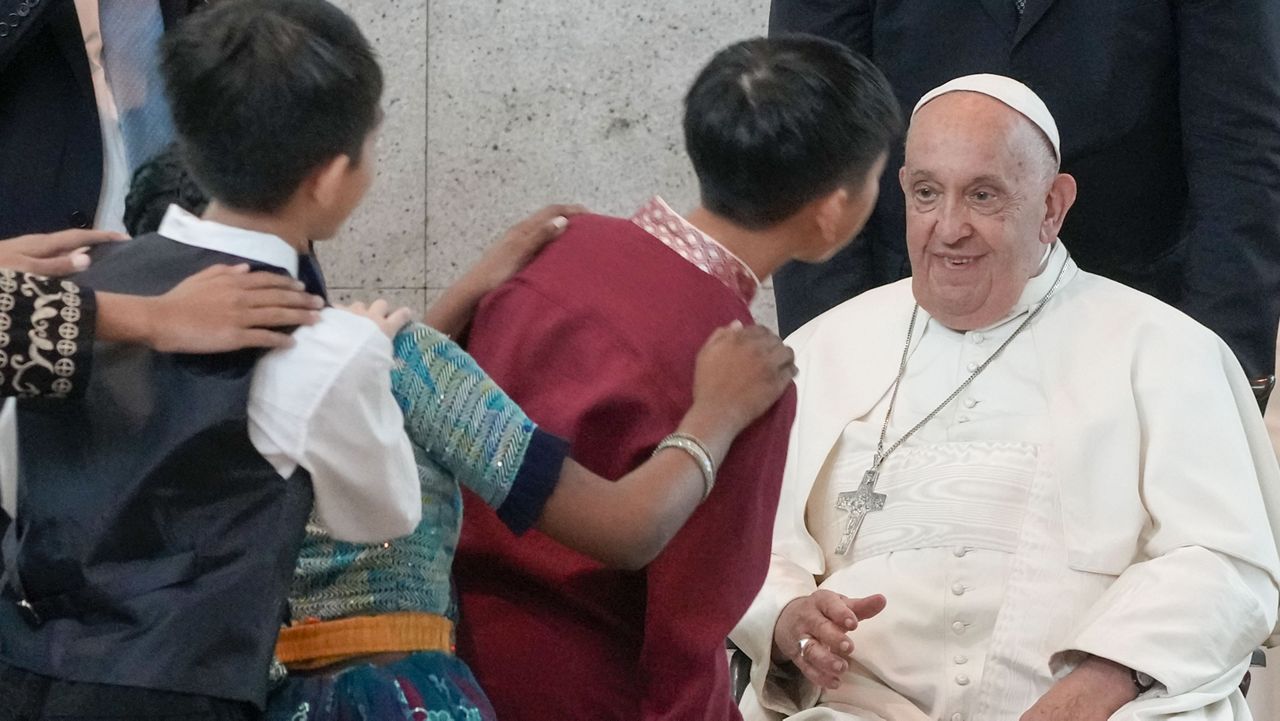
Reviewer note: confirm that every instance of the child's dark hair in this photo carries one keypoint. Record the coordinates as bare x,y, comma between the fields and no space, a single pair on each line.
264,92
771,125
157,184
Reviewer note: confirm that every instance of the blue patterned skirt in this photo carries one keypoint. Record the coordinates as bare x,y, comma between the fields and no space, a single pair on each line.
426,686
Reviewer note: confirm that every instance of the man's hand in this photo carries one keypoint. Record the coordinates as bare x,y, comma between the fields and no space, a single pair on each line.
53,254
1095,690
826,618
222,308
389,321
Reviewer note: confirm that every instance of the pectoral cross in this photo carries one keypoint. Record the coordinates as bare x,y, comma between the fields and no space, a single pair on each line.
859,503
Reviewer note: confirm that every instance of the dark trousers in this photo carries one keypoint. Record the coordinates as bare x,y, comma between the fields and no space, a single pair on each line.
25,696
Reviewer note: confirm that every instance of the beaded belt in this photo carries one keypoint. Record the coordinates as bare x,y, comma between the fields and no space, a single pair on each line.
314,644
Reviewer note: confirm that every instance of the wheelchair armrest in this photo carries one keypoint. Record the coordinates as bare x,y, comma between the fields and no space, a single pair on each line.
739,670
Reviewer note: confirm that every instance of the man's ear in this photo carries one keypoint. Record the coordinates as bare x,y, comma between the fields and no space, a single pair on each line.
829,214
1062,195
325,183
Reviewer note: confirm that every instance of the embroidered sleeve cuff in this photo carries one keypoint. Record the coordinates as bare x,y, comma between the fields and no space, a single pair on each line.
82,358
46,336
539,472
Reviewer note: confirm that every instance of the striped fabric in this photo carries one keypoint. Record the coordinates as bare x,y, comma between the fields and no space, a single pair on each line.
466,431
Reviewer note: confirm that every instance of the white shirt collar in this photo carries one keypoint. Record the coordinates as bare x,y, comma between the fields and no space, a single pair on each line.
1056,257
183,227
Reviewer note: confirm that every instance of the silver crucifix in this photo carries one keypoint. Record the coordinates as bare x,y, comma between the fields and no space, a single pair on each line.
859,503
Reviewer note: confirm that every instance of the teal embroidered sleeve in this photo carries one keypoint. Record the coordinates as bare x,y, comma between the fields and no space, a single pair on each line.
463,421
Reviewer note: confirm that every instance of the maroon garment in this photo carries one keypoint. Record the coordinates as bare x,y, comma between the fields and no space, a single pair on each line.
596,340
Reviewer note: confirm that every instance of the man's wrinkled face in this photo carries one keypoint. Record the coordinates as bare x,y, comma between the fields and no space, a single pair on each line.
976,178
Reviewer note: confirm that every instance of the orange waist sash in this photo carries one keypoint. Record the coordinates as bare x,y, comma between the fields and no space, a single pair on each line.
313,645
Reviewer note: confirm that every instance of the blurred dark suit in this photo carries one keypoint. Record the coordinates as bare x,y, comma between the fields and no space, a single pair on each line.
50,140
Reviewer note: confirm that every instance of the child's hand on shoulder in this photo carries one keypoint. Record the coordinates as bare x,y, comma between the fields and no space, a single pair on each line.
379,311
521,244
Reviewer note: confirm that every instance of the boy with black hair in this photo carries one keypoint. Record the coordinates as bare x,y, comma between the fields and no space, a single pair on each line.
159,518
788,137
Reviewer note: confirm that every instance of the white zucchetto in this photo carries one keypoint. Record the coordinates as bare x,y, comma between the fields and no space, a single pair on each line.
1008,91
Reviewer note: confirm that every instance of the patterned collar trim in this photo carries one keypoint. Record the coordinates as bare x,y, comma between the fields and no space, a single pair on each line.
659,220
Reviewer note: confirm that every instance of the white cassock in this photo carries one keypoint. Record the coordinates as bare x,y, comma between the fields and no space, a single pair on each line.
1106,486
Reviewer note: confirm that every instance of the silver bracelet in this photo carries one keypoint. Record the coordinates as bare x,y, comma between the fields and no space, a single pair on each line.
698,452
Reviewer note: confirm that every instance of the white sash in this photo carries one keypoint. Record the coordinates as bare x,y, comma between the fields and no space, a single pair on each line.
938,495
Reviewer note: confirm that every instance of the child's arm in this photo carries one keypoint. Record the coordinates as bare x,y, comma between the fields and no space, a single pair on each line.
451,313
457,416
222,308
325,405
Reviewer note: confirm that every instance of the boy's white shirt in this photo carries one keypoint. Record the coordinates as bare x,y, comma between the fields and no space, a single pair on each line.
324,404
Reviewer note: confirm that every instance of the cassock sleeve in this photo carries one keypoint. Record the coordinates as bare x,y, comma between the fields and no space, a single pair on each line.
1229,78
46,336
1202,592
459,418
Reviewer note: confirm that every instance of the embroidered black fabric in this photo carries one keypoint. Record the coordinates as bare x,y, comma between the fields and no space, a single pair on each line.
46,336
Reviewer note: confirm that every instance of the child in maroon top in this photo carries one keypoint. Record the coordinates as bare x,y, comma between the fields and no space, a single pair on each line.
596,341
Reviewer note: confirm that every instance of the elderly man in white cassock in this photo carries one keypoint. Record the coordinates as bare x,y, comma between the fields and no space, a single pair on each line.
1035,493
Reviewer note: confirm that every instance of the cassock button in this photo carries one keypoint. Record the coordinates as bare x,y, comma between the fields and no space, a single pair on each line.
961,660
976,338
958,627
962,419
970,403
959,551
962,680
957,717
958,589
972,367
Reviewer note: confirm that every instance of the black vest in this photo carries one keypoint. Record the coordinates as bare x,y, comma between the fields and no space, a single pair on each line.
153,545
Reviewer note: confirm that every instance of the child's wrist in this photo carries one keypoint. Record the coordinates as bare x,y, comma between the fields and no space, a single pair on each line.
128,318
477,283
714,428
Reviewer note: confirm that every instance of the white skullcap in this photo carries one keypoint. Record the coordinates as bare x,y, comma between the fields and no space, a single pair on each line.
1008,91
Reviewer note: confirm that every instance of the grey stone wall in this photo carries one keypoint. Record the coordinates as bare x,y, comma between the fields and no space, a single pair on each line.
497,107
